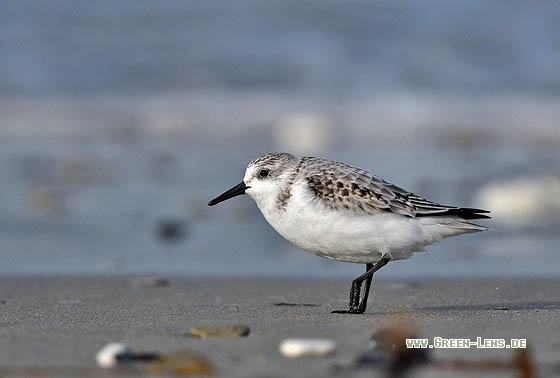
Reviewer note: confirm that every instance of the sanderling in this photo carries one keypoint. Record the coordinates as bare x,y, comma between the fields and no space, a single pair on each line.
347,214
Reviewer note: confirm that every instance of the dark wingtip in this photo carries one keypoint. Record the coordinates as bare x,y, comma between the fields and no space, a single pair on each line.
470,213
461,212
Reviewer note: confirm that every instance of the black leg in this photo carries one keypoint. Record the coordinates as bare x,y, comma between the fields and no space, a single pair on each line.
355,307
363,304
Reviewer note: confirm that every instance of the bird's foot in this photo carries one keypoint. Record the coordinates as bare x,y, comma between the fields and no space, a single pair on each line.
355,310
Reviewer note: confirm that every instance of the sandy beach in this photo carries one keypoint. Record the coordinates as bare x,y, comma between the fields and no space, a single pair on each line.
120,121
60,323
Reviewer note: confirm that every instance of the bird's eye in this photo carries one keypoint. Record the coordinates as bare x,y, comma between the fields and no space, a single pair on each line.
263,173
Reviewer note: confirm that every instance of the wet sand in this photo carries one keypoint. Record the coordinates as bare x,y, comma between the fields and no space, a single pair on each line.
61,322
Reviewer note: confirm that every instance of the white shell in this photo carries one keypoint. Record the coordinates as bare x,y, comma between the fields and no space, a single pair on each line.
306,347
107,356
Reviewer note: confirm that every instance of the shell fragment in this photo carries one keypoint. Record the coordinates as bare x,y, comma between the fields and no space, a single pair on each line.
294,348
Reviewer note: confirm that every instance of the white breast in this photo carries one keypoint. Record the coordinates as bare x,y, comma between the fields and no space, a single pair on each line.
340,235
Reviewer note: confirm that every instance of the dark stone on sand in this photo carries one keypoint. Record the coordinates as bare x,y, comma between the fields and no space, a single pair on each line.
150,281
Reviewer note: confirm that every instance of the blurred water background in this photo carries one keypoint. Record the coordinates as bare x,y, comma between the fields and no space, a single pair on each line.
119,120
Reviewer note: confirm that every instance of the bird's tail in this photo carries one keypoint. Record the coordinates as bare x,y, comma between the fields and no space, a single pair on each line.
463,225
437,228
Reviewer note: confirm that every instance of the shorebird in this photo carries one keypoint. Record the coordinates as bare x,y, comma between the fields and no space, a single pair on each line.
344,213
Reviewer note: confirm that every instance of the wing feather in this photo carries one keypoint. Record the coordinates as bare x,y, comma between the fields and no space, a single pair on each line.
343,187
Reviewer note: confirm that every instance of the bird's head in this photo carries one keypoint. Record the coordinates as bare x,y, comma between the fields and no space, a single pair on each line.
263,178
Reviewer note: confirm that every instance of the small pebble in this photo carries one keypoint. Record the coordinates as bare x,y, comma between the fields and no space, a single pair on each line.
115,354
182,363
294,348
388,347
524,363
220,331
110,355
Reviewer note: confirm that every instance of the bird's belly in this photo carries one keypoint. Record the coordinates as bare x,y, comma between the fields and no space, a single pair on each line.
351,238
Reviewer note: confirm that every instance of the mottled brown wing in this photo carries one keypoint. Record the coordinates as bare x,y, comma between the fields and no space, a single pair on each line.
340,186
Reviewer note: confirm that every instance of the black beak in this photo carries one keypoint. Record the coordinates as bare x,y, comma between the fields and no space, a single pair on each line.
233,192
